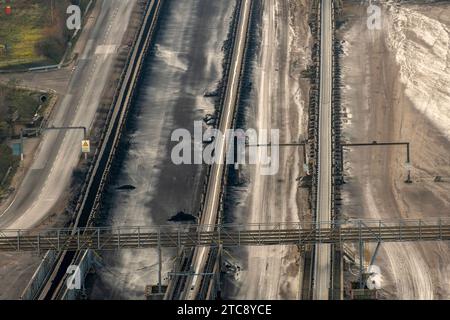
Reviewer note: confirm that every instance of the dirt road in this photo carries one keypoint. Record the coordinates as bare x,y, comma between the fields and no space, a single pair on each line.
394,90
277,102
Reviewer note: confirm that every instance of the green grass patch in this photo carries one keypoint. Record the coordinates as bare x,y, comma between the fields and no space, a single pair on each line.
34,34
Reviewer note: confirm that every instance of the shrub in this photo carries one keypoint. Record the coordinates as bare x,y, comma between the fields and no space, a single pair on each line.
51,48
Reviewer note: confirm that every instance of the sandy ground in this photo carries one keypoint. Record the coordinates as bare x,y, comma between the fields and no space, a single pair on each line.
185,63
396,89
277,102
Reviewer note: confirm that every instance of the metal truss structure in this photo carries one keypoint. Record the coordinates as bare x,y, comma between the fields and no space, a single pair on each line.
227,235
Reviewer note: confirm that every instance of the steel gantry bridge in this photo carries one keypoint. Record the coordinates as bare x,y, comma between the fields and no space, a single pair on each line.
226,235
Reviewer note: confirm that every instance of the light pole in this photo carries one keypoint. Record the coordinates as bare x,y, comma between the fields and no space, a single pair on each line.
292,144
378,144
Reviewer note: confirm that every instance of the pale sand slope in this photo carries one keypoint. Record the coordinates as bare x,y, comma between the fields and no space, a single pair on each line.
395,91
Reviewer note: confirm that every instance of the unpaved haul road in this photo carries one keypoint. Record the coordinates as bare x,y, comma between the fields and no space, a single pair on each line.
394,86
277,102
